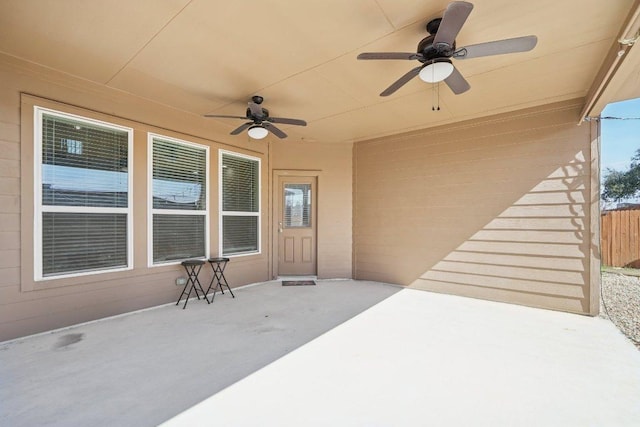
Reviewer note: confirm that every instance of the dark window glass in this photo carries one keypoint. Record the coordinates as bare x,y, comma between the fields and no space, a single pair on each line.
240,234
178,237
78,242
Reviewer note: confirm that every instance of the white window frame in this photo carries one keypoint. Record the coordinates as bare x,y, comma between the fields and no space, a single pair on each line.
151,211
235,213
39,208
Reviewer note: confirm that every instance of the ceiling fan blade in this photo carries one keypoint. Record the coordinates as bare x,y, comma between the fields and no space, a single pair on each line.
498,47
256,109
286,121
225,117
401,81
241,128
457,83
390,55
453,19
274,130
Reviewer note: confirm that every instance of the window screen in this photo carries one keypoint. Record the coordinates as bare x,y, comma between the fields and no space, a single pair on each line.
240,188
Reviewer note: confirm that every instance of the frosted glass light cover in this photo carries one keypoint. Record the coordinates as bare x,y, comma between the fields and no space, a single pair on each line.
257,132
436,72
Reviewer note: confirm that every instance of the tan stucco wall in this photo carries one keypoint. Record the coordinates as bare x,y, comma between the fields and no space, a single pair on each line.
28,307
497,208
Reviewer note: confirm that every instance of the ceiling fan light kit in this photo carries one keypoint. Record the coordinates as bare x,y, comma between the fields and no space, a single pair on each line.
257,132
436,71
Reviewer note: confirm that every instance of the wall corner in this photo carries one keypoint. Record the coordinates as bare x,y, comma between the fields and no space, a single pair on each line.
594,223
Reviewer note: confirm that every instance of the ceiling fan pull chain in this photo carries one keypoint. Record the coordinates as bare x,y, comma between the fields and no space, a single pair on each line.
435,97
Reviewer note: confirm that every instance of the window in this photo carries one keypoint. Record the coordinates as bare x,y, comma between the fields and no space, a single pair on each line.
178,204
82,221
240,204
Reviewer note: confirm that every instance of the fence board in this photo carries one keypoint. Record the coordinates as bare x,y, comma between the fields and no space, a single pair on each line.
633,230
620,238
605,240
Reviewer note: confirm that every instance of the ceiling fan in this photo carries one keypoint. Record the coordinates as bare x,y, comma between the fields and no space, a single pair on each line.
436,50
260,122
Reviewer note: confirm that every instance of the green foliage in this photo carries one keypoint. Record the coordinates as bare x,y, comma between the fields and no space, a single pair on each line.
620,185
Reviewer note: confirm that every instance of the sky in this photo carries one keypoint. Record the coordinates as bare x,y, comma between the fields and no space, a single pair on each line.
620,138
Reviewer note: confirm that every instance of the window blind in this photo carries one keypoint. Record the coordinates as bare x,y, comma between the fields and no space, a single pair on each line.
240,234
179,176
83,164
240,186
178,237
80,242
179,191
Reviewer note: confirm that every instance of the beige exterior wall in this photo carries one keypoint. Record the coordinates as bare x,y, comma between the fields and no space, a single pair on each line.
27,306
497,208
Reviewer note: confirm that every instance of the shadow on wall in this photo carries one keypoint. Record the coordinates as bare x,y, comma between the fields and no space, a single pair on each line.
496,208
535,252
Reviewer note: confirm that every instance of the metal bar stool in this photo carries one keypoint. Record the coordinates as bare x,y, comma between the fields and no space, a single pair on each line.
218,265
192,267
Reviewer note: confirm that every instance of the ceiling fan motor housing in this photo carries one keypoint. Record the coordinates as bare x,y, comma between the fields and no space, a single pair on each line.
430,52
433,25
263,116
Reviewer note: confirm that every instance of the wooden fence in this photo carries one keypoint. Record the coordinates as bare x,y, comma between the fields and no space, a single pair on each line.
620,238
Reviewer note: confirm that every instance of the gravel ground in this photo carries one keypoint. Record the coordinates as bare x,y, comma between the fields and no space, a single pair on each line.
620,303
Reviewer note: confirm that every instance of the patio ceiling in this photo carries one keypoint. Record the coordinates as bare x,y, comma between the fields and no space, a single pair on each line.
205,56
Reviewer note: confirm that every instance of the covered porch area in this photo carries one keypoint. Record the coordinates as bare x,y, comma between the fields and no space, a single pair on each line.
342,352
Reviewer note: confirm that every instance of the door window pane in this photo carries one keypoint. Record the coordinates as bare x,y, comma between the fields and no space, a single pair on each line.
297,205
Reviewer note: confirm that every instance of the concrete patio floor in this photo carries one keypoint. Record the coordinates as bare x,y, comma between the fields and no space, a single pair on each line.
340,353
